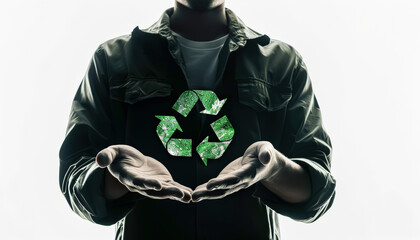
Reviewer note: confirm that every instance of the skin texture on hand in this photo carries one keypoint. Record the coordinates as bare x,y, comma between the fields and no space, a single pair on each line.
260,162
130,170
139,173
256,164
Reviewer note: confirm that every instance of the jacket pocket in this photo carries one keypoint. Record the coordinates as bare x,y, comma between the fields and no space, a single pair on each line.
261,95
134,89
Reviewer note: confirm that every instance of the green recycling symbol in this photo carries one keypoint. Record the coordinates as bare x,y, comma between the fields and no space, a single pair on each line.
182,147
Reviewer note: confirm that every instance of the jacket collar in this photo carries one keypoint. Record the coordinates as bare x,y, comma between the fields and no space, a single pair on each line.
238,31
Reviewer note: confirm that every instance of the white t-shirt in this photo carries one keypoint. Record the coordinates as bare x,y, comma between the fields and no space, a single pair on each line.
201,59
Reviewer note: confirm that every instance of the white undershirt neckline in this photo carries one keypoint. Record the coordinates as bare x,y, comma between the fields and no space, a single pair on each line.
201,60
203,45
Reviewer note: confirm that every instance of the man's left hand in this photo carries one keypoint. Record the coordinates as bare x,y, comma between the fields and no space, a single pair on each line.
260,161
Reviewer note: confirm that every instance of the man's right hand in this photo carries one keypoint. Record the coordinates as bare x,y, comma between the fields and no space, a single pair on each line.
139,173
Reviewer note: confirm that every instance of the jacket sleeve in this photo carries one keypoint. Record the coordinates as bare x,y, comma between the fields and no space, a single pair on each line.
89,130
305,142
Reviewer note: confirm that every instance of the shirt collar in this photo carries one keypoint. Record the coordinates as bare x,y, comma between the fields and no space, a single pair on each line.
238,31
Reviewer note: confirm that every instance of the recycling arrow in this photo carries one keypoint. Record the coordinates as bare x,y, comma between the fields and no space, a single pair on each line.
213,150
175,146
223,129
224,132
182,147
189,98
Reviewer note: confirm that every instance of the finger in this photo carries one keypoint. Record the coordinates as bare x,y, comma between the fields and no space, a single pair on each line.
187,197
237,188
200,187
223,182
199,191
106,156
202,194
264,154
166,192
182,186
147,183
187,192
246,173
217,194
174,190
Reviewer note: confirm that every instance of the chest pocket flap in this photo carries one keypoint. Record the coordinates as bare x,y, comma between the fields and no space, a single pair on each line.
261,95
134,89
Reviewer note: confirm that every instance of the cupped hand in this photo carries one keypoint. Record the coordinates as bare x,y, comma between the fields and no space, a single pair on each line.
141,173
259,162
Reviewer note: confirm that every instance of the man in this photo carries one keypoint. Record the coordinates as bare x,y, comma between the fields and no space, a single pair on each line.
114,169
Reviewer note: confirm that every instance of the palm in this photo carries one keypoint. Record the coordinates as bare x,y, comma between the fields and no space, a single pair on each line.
142,174
134,165
239,174
240,170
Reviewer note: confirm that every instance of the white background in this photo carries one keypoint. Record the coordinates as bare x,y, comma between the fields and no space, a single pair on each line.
363,57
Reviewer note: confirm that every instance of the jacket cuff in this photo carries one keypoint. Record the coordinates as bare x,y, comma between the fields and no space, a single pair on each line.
90,193
321,199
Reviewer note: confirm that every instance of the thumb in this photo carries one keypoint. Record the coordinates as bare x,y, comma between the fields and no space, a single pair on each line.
106,156
264,154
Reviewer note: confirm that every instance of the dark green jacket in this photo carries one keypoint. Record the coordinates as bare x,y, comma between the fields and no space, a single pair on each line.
134,77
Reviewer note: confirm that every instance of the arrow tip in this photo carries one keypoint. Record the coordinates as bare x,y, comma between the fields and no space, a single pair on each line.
177,126
201,149
205,140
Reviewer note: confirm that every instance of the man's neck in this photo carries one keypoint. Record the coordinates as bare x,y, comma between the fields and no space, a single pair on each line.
199,25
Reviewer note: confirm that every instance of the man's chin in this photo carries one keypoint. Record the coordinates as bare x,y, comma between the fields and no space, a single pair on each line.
203,5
